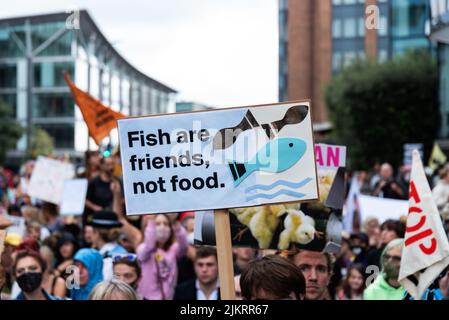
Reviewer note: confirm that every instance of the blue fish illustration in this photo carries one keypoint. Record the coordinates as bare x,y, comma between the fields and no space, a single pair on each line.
276,156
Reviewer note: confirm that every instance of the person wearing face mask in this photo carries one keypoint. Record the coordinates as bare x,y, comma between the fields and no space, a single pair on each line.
28,270
386,286
165,242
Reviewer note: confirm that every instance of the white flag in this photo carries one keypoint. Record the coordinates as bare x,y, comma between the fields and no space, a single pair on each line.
426,248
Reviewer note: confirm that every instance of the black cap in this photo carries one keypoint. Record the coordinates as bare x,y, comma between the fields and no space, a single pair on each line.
105,219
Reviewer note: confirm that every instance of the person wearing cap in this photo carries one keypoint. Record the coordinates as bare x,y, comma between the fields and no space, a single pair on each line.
106,233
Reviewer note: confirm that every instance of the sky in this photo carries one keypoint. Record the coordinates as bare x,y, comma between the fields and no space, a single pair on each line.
216,52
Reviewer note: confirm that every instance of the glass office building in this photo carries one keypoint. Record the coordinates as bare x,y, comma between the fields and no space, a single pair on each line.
34,53
401,26
440,37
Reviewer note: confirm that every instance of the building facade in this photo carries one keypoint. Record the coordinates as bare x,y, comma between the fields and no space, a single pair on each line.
319,38
188,106
34,53
440,37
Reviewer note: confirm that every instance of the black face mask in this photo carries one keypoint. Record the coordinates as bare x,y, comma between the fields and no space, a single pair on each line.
29,281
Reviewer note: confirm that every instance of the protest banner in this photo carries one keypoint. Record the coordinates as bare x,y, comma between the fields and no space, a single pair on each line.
47,180
426,248
212,160
73,197
18,225
314,225
381,208
100,119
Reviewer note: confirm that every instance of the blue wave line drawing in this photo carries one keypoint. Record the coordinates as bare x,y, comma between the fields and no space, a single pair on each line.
290,184
274,195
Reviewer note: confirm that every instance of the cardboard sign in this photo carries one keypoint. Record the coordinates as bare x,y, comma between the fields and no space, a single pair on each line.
18,226
47,180
74,197
314,225
227,158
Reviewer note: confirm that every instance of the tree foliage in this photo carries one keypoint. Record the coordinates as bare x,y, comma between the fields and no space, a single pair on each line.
10,130
377,108
42,143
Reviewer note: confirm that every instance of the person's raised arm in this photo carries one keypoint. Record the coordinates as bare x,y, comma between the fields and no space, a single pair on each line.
181,240
146,249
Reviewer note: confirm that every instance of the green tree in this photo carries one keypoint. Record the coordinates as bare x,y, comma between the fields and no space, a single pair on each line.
10,130
377,108
42,143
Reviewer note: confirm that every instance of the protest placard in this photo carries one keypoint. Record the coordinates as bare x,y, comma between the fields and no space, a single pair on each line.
312,225
47,180
73,197
237,157
381,208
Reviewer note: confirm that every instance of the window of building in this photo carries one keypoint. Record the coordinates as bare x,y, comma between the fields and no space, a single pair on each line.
350,28
51,74
383,26
336,61
382,55
10,99
349,57
12,41
8,75
63,134
336,28
52,105
361,27
43,31
409,17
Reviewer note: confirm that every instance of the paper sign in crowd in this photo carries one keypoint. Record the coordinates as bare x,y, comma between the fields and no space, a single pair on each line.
226,158
47,180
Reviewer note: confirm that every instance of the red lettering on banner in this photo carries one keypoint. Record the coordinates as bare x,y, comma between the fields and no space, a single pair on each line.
417,237
413,193
433,247
417,226
319,155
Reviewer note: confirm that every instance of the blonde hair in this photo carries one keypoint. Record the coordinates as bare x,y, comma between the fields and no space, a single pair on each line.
111,289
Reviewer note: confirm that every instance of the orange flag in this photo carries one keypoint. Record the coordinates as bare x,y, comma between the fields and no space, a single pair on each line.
99,118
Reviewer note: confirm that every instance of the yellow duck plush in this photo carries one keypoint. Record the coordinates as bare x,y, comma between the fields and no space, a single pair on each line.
262,221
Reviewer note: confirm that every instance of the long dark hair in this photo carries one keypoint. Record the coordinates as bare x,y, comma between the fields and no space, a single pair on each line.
346,287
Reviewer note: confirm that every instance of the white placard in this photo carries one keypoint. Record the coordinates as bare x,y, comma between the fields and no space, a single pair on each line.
47,180
226,158
74,197
381,208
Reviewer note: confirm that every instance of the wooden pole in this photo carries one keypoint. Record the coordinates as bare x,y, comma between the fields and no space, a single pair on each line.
224,254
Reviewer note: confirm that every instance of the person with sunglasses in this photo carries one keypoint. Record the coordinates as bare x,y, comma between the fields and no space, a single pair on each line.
386,286
127,269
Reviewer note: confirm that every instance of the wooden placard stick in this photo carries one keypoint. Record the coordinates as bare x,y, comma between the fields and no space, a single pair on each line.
224,254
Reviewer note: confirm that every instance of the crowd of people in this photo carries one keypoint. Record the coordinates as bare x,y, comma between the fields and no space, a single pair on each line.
105,254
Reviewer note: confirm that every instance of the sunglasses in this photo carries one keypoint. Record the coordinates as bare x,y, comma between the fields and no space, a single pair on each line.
396,259
127,256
